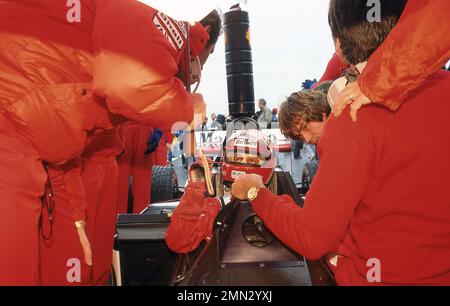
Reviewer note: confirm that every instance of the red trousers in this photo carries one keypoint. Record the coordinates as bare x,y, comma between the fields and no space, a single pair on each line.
137,166
62,252
22,181
159,157
100,184
100,178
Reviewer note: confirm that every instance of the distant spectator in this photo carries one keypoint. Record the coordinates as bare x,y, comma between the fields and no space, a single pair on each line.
275,115
309,84
265,117
204,126
219,123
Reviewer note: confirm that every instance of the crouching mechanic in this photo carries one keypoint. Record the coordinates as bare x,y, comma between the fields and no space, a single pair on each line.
145,146
368,203
64,81
100,180
303,116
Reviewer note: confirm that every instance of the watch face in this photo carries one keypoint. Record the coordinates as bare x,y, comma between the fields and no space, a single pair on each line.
252,193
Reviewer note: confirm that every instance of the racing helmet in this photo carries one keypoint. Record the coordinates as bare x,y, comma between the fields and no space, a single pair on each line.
248,152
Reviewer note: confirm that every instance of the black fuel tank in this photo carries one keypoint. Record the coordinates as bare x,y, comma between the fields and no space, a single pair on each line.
239,64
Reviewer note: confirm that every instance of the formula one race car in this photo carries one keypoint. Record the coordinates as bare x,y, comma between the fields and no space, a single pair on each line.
242,251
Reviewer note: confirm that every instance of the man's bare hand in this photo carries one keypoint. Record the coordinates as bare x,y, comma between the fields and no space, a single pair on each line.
353,96
243,184
85,245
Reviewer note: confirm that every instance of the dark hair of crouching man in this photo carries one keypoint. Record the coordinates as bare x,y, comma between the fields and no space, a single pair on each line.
356,38
367,207
213,25
214,20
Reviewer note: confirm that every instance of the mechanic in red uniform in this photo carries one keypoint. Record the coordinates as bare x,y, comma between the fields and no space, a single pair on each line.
160,156
139,157
97,183
59,239
67,72
134,164
143,146
369,202
100,177
418,46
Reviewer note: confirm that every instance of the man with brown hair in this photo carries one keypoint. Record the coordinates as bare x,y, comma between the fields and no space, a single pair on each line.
303,115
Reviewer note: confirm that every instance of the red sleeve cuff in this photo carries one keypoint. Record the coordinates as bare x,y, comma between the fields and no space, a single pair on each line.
262,202
79,215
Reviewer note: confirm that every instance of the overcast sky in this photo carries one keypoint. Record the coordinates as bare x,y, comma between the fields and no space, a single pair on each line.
291,42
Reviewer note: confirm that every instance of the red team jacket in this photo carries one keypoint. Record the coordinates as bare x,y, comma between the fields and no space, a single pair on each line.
369,199
417,47
61,80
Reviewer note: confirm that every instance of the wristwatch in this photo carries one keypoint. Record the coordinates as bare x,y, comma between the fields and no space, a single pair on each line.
252,194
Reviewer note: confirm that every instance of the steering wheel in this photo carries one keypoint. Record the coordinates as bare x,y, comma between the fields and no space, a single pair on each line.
256,233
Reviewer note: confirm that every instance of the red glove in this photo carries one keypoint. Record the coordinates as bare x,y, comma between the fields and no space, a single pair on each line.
193,220
197,170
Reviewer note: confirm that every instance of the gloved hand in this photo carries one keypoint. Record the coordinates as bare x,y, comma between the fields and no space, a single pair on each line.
193,220
201,172
308,84
153,141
